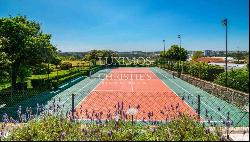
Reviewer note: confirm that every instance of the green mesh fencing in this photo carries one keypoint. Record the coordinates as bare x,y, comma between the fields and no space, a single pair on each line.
54,101
213,109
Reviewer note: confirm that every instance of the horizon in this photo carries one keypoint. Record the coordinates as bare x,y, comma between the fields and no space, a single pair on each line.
160,51
81,26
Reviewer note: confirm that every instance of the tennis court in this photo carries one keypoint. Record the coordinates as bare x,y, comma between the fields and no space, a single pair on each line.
138,88
156,96
150,94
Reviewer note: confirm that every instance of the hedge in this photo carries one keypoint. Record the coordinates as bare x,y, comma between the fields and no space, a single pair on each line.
52,81
199,69
237,79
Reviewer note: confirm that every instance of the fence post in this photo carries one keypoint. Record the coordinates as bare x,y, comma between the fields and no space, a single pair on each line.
73,106
90,73
199,107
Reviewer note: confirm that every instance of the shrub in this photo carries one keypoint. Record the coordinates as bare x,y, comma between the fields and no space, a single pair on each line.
57,129
40,69
21,86
199,69
38,83
237,79
204,71
66,65
47,129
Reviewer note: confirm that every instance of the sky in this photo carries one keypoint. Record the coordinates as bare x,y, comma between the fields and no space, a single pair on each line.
133,25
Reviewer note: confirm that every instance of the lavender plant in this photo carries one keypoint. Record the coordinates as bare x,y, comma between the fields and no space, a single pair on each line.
52,128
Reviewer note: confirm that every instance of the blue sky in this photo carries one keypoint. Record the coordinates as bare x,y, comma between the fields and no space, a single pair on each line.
126,25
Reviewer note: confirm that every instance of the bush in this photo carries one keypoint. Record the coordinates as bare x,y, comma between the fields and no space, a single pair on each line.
66,65
40,69
58,129
47,129
21,86
37,83
199,69
204,71
237,79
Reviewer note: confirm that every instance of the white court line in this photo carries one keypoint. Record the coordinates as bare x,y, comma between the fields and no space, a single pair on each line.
90,93
110,90
132,88
79,90
177,95
191,94
86,85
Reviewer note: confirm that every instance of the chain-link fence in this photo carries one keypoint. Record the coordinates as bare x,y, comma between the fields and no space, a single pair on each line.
81,103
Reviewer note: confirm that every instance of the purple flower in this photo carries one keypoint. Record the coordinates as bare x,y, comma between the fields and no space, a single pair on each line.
222,138
110,133
154,130
85,131
93,131
63,134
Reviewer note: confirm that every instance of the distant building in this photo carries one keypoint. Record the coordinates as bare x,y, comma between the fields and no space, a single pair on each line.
208,53
211,59
215,59
220,61
230,66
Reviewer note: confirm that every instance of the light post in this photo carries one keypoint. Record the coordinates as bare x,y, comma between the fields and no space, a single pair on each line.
164,52
164,47
224,22
179,36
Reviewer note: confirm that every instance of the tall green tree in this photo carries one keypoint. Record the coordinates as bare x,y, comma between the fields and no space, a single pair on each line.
176,53
94,55
197,54
24,44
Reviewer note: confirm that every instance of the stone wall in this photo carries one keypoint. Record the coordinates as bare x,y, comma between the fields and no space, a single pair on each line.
236,97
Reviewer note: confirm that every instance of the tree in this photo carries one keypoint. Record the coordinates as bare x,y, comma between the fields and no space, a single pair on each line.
176,53
197,54
247,59
24,44
94,55
4,68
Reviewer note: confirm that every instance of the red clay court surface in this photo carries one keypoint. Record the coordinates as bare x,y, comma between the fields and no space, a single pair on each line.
125,88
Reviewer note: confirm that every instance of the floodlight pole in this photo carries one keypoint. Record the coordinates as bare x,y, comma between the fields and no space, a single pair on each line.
164,47
226,54
225,24
179,36
164,50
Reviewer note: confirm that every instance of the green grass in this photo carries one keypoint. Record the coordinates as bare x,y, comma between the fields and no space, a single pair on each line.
52,74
